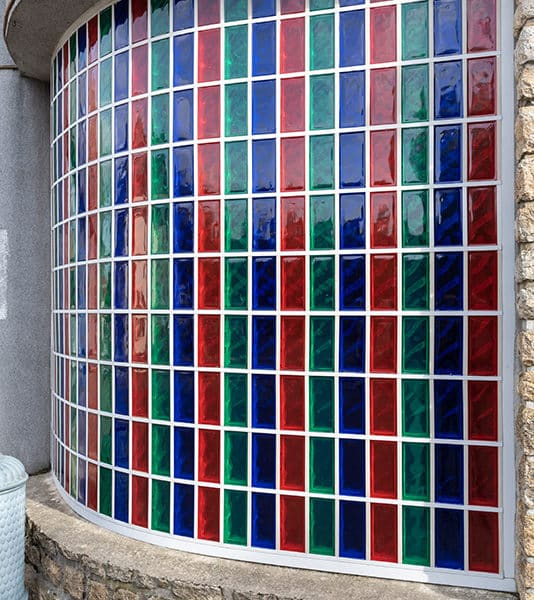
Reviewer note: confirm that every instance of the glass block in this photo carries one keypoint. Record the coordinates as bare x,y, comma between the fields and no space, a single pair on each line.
264,224
415,30
121,86
235,458
184,509
352,221
482,410
322,222
481,151
322,162
447,27
183,176
292,114
160,284
293,292
415,282
160,518
448,97
160,339
292,38
159,17
352,344
236,167
383,96
322,404
351,161
160,63
160,461
235,10
139,20
159,240
264,283
447,151
263,401
448,412
208,119
292,404
263,108
183,223
208,12
235,517
416,471
351,405
415,344
322,273
484,541
209,405
449,473
263,520
160,119
161,409
384,282
293,223
292,333
183,340
139,123
208,455
263,165
415,156
448,217
322,41
183,278
236,109
352,529
236,51
352,277
184,386
449,540
415,93
481,26
383,31
184,452
383,157
322,465
236,288
383,348
263,342
208,512
105,133
263,48
160,174
448,270
235,341
236,225
263,460
352,38
183,49
321,343
322,101
235,399
106,32
352,467
481,90
183,15
383,464
105,499
415,218
322,526
352,99
292,524
263,8
416,535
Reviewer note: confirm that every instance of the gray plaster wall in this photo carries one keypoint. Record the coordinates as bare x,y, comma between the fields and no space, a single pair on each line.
24,267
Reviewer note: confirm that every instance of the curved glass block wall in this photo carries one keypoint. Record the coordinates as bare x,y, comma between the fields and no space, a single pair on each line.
277,309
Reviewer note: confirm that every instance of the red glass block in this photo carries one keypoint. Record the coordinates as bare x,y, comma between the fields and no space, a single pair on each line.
139,123
208,514
383,220
291,6
140,231
383,24
208,12
293,291
209,226
383,157
383,393
292,45
209,55
92,138
384,532
293,335
209,112
293,223
483,282
208,455
292,114
209,405
139,339
92,435
140,70
139,20
209,334
383,84
140,501
481,92
140,392
92,287
140,446
483,422
483,346
92,88
481,25
383,469
383,344
92,486
292,527
484,475
139,284
481,216
292,164
92,335
209,169
292,402
92,30
92,187
481,151
484,541
383,282
209,285
92,386
139,177
292,462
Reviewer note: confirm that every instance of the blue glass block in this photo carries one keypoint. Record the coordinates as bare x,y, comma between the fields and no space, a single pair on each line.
449,269
448,89
82,47
82,191
184,509
448,340
448,217
449,474
82,384
263,107
448,153
122,449
82,143
184,452
183,116
81,238
263,8
183,283
82,337
183,340
121,390
264,48
447,27
351,405
184,396
352,273
352,221
352,467
121,128
448,409
121,24
263,460
121,180
183,227
183,14
121,496
263,342
352,344
264,283
449,538
82,95
121,285
183,51
183,171
81,285
264,224
121,336
264,520
352,38
121,76
264,401
264,165
352,160
121,233
352,529
352,99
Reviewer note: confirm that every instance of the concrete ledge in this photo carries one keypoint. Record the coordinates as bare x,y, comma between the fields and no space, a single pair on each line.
70,558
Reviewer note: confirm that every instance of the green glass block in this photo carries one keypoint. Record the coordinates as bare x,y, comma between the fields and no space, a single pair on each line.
73,197
160,64
321,343
415,334
322,404
236,51
73,477
73,102
322,162
105,285
236,167
73,347
414,30
236,399
235,457
322,42
105,133
161,505
415,408
236,109
160,174
415,155
322,526
105,337
235,517
161,395
321,4
416,471
414,93
72,247
105,184
236,283
106,425
105,82
105,234
104,489
236,225
73,54
160,119
415,282
322,271
105,32
322,223
73,430
72,152
322,465
73,382
160,339
159,17
159,240
322,101
235,341
72,285
415,218
160,284
235,10
106,388
161,450
416,535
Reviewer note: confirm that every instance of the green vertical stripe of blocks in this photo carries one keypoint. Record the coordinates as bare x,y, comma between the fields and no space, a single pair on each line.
414,93
415,408
73,197
161,450
415,342
236,51
161,505
416,535
236,109
73,430
160,119
236,399
321,42
105,184
105,439
105,285
73,146
160,339
105,133
416,471
322,526
322,465
72,282
322,271
322,343
322,92
322,223
105,234
236,225
160,64
160,283
235,517
105,76
415,218
159,239
236,288
235,458
235,341
415,282
236,167
415,156
105,337
322,404
160,174
161,394
104,489
105,388
415,30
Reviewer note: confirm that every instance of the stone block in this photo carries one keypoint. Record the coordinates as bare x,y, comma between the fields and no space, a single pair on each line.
524,181
525,386
525,347
524,49
524,131
51,569
525,263
525,432
525,222
73,582
524,11
525,301
525,83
